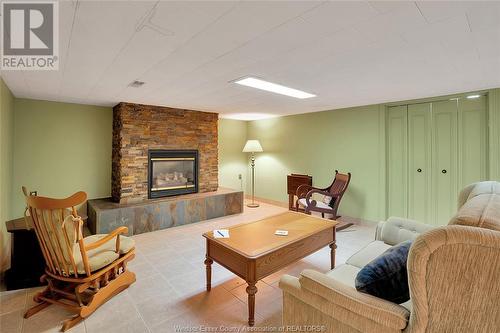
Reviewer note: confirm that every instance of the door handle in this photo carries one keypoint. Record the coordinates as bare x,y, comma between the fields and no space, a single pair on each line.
443,171
419,170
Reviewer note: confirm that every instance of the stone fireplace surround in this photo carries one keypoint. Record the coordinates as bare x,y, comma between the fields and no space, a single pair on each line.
137,128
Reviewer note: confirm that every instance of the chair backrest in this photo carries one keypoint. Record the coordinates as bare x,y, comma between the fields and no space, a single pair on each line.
58,228
340,183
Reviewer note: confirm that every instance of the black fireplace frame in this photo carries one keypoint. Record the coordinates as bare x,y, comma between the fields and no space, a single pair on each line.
162,153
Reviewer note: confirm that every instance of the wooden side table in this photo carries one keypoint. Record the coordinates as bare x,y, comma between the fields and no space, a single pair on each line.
27,262
293,182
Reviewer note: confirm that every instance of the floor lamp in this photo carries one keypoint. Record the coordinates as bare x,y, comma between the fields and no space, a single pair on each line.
253,146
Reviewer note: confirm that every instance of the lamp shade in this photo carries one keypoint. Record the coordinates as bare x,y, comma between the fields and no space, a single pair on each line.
252,146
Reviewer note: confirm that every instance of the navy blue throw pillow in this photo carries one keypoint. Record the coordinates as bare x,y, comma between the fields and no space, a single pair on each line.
386,276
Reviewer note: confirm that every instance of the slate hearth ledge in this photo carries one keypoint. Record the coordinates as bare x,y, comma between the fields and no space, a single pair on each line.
104,215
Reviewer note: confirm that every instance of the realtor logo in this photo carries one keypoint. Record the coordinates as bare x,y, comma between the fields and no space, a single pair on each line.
30,35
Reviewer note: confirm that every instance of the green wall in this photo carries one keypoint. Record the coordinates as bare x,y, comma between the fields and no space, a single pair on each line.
60,148
232,162
494,133
6,169
317,144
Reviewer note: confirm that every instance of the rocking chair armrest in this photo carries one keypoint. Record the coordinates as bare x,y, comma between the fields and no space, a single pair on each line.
303,189
115,233
312,203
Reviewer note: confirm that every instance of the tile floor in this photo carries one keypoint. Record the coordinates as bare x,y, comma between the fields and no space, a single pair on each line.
169,294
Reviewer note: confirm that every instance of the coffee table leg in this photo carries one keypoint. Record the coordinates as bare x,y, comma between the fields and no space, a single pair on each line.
208,263
251,291
333,246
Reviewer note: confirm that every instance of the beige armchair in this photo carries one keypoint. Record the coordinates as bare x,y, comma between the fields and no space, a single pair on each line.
454,274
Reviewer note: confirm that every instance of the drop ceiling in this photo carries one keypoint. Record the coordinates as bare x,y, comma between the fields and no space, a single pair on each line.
346,53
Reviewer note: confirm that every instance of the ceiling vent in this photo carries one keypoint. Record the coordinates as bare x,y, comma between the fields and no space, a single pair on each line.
136,84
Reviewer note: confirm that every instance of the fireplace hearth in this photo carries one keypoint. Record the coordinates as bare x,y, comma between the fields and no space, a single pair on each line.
172,172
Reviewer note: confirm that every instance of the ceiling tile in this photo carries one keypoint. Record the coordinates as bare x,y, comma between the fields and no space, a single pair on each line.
435,11
484,16
392,24
388,6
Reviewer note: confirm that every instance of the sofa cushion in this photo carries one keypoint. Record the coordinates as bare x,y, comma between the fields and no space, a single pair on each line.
396,230
367,254
387,277
482,210
345,274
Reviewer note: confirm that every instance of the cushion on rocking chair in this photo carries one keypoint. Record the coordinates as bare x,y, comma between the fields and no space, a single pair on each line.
102,255
319,204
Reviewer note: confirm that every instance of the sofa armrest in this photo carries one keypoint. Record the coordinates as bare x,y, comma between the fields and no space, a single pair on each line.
398,229
353,303
378,230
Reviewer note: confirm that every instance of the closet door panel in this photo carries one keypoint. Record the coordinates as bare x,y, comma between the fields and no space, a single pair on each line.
472,141
419,162
397,161
444,160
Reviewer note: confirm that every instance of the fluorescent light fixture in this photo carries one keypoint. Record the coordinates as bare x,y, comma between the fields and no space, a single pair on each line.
248,116
473,96
273,87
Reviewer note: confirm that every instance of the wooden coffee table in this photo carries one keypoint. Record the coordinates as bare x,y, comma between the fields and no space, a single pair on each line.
253,251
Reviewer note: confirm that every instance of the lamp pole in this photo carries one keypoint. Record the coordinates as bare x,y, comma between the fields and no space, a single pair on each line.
253,204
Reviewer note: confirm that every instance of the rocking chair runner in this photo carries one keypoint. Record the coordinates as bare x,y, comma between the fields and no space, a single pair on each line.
82,273
332,197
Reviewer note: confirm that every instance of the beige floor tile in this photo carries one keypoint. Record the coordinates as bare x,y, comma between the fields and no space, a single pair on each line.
148,287
174,265
159,309
11,322
232,283
117,315
186,284
224,319
143,270
268,309
12,300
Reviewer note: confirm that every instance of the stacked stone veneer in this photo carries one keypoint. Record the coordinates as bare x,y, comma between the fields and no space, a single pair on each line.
138,128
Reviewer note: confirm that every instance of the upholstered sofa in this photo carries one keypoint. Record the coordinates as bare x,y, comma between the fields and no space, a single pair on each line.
453,272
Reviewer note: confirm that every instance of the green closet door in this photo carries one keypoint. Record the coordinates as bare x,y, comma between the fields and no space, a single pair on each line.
419,162
472,143
444,160
397,161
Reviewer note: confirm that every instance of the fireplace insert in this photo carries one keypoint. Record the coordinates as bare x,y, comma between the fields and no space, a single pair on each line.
172,172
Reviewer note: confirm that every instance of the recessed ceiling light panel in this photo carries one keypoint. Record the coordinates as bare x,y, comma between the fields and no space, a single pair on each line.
473,96
273,87
248,116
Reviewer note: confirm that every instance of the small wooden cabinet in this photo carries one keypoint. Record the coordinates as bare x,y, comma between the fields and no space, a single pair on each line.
27,262
293,181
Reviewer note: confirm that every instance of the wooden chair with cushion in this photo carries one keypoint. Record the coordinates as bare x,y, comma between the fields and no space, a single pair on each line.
81,273
332,195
